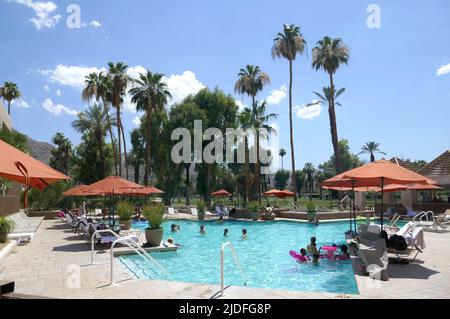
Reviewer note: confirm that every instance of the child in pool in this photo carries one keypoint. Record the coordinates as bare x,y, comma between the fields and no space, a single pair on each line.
312,247
225,232
303,258
344,255
202,229
244,234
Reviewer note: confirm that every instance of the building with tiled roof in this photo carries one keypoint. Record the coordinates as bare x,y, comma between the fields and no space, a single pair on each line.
439,170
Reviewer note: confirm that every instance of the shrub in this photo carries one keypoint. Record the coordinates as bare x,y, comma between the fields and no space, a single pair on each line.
6,226
124,210
154,214
201,206
254,207
311,207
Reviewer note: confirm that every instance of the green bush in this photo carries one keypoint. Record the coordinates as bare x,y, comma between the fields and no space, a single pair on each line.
201,206
154,214
311,207
124,210
254,207
6,226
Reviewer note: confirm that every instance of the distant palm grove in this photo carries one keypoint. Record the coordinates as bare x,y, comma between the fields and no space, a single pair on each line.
103,150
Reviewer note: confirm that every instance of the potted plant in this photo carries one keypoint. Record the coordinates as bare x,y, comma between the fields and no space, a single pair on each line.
125,212
311,210
6,226
201,210
154,215
254,209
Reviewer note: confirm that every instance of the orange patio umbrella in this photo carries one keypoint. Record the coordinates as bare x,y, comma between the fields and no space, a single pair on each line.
273,192
221,193
418,187
141,191
110,186
17,166
377,174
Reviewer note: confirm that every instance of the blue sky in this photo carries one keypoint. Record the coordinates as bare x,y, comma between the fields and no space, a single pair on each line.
394,93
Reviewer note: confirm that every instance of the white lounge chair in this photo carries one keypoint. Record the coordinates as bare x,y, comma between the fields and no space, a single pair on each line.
194,211
439,224
171,211
392,226
415,240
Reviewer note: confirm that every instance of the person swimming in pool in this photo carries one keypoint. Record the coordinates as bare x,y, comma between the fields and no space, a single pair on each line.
225,232
244,234
174,228
312,247
202,229
303,258
344,255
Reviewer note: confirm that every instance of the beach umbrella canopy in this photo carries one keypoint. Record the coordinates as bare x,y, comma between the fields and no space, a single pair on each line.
273,192
109,186
221,193
75,191
418,187
141,191
17,166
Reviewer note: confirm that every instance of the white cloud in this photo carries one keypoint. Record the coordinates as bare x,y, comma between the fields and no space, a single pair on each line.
58,93
21,104
276,96
57,109
72,76
47,88
42,13
443,70
241,105
181,86
134,71
137,121
95,24
309,112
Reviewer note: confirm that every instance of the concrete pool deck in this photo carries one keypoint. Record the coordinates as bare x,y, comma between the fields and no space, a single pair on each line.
54,265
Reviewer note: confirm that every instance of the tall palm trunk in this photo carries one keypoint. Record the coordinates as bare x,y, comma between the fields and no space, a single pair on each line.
136,171
294,184
124,149
333,127
108,119
188,202
257,170
246,169
208,184
119,137
148,146
372,157
9,107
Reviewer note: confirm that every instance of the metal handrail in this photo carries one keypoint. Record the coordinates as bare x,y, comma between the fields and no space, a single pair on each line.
138,250
236,261
127,241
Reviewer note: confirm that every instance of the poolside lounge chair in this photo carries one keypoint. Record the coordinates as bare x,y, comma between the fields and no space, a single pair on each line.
106,239
392,226
171,211
439,224
25,224
415,239
194,211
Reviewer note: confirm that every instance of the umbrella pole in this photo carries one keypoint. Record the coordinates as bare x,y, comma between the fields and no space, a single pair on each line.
353,204
382,202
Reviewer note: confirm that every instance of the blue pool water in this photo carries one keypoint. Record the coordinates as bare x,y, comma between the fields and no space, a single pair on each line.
264,256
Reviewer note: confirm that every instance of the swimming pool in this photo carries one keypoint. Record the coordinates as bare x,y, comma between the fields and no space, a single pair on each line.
264,256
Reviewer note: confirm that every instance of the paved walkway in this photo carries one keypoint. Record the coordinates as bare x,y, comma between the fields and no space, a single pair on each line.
50,266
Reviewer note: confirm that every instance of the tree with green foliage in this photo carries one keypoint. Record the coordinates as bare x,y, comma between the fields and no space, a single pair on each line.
309,171
282,154
9,92
61,155
150,93
328,55
287,45
136,158
348,161
15,138
119,80
371,148
281,179
98,86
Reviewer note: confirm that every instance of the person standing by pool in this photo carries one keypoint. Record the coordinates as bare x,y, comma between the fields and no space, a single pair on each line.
244,234
225,232
202,229
312,247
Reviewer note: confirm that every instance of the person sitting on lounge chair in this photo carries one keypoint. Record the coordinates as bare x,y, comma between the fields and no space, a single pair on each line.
219,211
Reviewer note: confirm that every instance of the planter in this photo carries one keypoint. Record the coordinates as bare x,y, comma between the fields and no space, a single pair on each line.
201,215
312,216
268,216
154,236
126,224
3,236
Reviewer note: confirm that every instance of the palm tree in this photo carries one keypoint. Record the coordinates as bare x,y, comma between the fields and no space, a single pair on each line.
137,154
150,93
282,154
371,148
309,170
94,125
245,122
119,81
10,92
259,121
62,154
328,55
98,86
251,81
286,45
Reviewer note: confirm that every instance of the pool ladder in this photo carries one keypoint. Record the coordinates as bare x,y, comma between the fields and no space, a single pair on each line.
236,261
130,243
